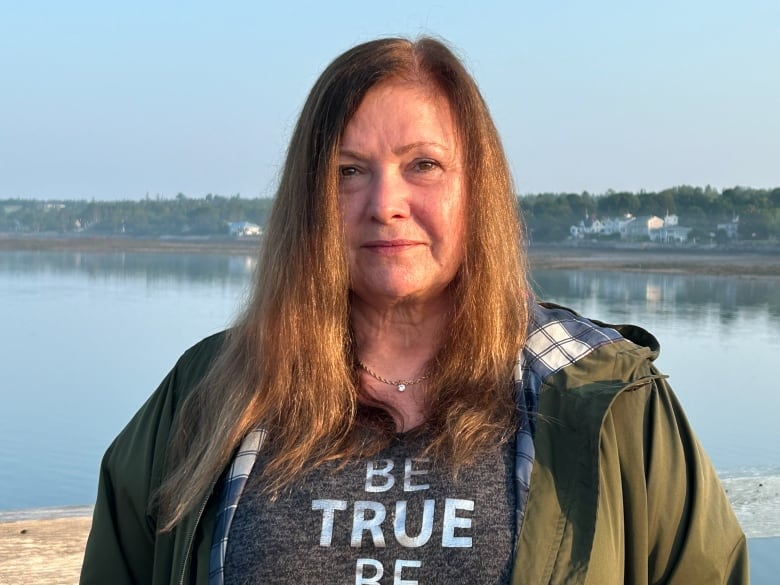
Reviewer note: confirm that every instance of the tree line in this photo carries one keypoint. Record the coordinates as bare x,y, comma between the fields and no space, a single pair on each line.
149,217
548,216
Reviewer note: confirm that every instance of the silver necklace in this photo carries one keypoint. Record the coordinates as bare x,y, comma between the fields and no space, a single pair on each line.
400,385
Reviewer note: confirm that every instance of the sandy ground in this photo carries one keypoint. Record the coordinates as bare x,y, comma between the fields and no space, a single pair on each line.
45,552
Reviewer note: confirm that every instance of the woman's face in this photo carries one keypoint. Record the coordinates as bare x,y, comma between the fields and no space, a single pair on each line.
402,194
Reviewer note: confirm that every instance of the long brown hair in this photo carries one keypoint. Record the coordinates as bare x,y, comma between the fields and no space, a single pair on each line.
288,364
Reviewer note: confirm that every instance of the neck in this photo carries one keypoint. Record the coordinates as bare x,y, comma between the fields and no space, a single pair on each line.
392,332
398,341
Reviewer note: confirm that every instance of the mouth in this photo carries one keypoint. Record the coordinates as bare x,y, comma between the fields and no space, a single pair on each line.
390,246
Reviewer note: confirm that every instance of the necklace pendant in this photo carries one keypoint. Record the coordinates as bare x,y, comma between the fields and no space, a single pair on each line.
401,387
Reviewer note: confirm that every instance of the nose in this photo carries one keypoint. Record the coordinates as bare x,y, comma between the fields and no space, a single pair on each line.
388,196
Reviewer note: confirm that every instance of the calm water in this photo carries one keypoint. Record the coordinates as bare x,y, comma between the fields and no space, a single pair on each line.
89,336
719,345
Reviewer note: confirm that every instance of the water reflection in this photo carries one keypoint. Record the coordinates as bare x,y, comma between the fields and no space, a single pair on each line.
154,267
691,297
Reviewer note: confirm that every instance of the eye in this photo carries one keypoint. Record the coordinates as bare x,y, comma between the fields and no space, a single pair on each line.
352,177
346,171
426,165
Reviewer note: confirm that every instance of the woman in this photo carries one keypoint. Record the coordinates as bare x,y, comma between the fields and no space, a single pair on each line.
392,407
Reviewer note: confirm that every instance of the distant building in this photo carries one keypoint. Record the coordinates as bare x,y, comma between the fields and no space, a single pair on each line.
642,227
618,225
244,228
671,234
595,227
731,228
589,226
629,227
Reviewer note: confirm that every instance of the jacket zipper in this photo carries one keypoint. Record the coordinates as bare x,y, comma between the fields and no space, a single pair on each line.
191,535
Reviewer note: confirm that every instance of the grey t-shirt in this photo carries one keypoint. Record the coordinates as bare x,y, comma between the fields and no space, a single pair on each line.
391,520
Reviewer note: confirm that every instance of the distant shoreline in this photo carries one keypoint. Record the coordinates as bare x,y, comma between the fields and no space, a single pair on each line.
735,261
707,261
45,513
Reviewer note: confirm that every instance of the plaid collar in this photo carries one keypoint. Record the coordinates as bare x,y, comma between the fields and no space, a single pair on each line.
557,337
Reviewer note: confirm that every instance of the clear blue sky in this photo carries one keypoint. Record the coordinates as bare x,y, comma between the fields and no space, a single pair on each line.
114,100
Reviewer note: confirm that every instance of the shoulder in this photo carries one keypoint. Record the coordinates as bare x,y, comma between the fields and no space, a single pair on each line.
567,350
145,435
195,363
582,369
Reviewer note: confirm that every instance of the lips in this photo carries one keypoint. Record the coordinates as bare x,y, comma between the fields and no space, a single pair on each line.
390,246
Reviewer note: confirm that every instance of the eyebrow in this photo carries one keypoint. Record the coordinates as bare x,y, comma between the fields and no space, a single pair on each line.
397,151
406,148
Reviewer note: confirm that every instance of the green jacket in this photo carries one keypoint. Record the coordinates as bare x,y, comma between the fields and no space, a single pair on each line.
621,491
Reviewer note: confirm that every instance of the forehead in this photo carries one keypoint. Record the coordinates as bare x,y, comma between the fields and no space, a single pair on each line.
398,110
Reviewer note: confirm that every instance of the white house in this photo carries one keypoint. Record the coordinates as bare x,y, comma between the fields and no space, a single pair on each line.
665,230
670,234
642,227
587,226
618,225
244,228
